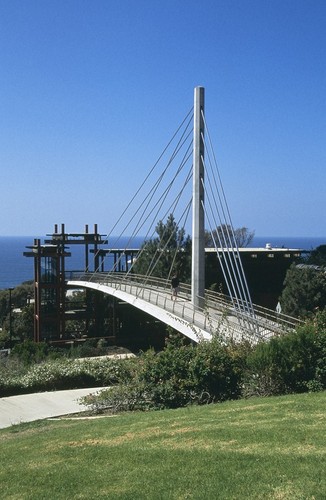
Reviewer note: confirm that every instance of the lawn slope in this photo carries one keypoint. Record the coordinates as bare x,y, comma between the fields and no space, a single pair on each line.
250,449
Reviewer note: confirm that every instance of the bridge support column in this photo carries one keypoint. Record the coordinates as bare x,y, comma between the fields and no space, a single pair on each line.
198,215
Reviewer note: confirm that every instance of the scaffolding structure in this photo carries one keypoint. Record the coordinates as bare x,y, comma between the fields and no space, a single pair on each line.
50,288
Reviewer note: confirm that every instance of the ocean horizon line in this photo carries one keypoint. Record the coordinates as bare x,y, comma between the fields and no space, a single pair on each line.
142,236
15,268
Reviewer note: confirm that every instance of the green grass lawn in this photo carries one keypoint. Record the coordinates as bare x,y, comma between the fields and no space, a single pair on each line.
248,449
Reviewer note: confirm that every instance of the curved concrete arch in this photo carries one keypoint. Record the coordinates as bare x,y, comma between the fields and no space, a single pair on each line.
153,296
170,312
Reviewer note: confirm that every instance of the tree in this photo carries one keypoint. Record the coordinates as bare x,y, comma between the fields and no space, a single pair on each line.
171,249
318,256
20,296
223,236
243,236
304,290
23,324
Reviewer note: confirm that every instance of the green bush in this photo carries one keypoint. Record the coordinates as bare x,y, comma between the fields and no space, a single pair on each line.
190,374
319,325
216,370
29,352
304,291
89,348
177,376
295,362
166,376
181,374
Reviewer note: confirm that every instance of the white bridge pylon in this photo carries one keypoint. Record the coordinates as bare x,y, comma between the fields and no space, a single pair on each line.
217,317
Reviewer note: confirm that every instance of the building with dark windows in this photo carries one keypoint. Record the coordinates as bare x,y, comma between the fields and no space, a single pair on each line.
264,268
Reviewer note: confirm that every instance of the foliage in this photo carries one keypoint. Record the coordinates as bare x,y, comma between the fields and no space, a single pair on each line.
304,291
170,249
224,236
76,299
181,374
20,296
318,256
177,376
295,362
30,352
22,323
64,373
89,348
319,327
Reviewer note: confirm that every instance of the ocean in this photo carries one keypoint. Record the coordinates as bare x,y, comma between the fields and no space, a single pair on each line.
15,268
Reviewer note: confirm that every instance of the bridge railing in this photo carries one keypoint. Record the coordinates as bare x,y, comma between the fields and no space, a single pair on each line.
264,317
157,291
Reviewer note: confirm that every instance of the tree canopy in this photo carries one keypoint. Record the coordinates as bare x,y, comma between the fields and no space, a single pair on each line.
304,290
168,252
223,236
318,256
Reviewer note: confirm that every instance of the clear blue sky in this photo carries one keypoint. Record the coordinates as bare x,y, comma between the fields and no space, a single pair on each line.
91,91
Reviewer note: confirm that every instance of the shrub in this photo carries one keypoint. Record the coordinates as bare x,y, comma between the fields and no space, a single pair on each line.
166,376
191,374
65,374
216,371
177,376
29,352
89,348
292,363
319,324
304,291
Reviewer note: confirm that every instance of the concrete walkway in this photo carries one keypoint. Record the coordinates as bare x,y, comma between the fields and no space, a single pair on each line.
30,407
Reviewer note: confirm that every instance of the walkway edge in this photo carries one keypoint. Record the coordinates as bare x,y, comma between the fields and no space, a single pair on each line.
30,407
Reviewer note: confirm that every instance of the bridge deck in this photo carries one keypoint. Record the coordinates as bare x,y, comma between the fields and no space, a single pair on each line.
153,296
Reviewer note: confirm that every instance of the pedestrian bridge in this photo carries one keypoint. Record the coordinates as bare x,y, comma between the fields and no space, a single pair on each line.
218,316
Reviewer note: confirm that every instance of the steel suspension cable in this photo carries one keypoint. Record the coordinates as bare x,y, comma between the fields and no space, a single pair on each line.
243,280
188,121
159,180
164,196
232,257
227,252
223,262
162,249
174,204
